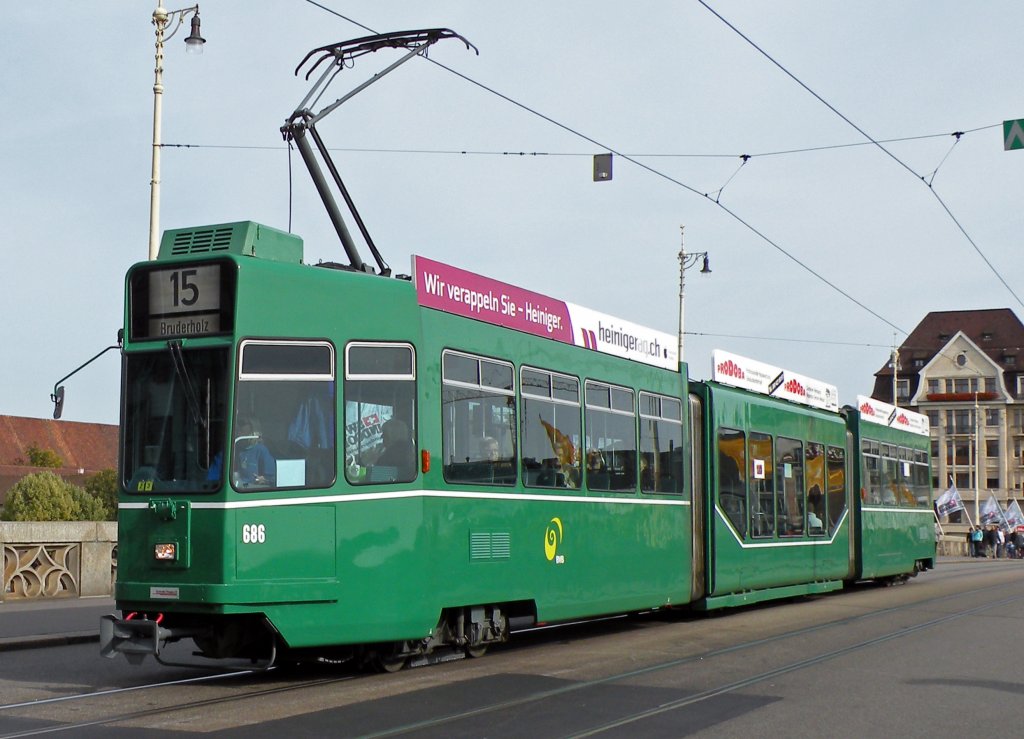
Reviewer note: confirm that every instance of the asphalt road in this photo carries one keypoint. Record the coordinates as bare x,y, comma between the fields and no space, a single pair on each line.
937,657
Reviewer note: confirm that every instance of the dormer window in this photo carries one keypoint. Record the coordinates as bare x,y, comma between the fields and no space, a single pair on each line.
986,336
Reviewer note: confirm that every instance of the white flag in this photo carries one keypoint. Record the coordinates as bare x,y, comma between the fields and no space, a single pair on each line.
949,502
1014,515
991,512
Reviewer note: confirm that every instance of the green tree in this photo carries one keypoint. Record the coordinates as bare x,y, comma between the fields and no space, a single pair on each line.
39,457
103,486
42,496
46,496
87,506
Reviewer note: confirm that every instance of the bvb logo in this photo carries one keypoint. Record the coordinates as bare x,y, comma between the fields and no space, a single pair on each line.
552,538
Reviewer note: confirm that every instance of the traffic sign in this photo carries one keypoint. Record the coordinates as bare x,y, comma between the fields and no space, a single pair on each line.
1013,135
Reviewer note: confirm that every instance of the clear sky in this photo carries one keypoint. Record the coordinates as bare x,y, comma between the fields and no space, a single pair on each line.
871,248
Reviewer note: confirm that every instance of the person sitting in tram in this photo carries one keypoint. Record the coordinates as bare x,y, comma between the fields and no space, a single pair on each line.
254,464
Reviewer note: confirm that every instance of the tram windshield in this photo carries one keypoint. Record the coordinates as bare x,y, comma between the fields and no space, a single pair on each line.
174,420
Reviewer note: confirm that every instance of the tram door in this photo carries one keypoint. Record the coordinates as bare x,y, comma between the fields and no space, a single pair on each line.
698,495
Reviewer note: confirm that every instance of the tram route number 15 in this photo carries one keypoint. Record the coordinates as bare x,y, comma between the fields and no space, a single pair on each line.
185,290
254,533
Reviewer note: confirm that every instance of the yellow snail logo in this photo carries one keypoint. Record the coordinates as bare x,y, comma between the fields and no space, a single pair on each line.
552,538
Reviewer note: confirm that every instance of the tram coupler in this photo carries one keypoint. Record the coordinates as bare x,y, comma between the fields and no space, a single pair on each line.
134,638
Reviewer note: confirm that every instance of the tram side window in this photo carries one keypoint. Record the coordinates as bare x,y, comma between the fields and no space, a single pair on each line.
872,473
551,429
284,431
836,486
905,478
478,420
732,494
762,486
380,413
890,475
789,486
922,479
816,501
661,444
610,438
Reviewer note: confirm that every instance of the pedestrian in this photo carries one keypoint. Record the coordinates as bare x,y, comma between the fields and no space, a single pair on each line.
990,542
1000,542
977,539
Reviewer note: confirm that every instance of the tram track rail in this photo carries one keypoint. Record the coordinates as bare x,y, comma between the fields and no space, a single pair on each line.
708,655
545,636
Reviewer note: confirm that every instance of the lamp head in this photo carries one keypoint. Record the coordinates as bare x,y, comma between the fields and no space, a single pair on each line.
194,42
706,269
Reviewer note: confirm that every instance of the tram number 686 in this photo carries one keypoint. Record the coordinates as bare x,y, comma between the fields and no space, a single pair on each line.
254,533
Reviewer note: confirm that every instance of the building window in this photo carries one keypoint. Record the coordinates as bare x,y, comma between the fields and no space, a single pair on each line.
991,416
902,389
1020,386
992,448
933,418
963,420
1010,360
933,385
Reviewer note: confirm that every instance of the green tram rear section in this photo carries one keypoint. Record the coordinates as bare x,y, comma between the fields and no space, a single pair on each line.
540,481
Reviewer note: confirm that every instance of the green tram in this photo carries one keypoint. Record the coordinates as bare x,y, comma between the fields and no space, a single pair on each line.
322,461
330,461
808,499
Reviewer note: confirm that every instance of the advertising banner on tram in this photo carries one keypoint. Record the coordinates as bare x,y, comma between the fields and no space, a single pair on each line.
749,374
454,290
875,411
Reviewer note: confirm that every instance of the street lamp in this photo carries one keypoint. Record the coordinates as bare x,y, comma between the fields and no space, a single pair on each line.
686,261
193,45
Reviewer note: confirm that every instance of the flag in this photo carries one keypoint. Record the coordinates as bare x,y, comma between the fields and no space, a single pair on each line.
561,445
1014,515
992,512
949,502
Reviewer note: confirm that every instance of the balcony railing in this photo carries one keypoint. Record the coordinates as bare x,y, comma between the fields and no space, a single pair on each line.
959,397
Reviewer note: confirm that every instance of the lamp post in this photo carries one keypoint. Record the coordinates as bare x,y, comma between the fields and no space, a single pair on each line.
686,261
193,45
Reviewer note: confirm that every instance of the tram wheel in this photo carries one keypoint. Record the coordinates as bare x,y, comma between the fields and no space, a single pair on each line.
390,664
475,652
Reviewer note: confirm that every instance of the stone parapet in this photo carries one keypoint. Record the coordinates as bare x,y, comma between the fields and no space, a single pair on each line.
57,559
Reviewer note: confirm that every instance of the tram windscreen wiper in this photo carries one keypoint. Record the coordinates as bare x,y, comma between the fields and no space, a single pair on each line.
174,347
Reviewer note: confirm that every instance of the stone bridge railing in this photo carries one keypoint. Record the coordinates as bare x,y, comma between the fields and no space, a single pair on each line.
55,560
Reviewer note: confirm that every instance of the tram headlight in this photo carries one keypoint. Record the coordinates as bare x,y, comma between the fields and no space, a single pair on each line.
165,551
